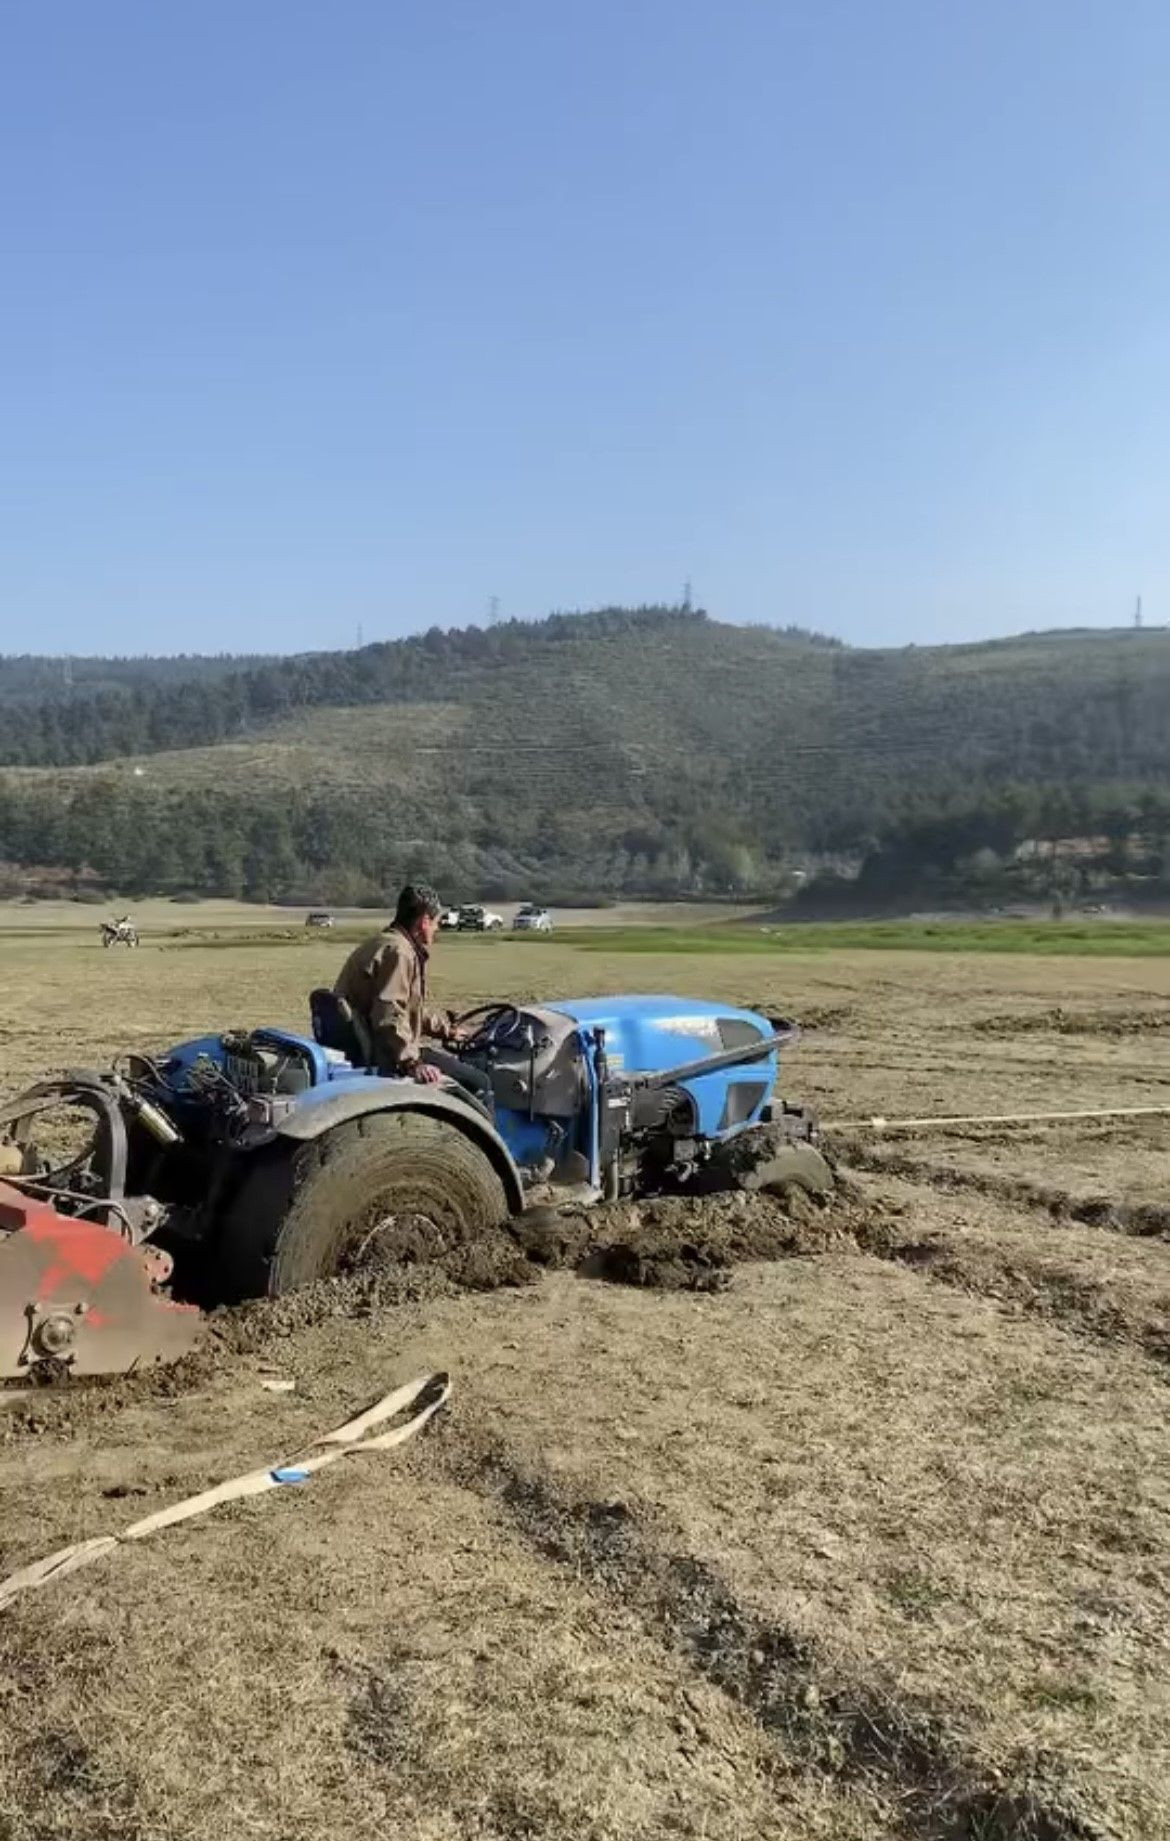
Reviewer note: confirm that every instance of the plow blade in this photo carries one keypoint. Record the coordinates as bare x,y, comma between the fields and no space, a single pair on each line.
76,1297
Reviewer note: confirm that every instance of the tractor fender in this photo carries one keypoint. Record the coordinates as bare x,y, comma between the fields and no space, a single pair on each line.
312,1118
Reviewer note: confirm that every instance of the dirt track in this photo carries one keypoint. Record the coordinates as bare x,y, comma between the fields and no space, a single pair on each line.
869,1539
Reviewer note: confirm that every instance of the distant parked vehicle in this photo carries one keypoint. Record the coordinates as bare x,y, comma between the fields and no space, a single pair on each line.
532,919
449,918
120,932
473,918
319,920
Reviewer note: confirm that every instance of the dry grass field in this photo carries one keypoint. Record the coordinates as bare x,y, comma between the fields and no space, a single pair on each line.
872,1541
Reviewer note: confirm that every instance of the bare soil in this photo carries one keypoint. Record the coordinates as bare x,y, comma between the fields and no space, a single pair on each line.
748,1517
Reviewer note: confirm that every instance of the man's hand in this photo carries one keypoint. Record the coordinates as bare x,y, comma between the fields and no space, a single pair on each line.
426,1075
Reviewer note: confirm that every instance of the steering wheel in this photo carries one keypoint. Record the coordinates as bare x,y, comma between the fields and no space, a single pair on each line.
498,1021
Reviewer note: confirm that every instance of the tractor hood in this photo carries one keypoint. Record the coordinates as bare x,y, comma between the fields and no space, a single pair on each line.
651,1035
645,1035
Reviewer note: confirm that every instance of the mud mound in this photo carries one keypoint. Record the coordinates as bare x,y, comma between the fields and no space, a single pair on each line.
1061,1022
486,1264
680,1243
659,1263
692,1242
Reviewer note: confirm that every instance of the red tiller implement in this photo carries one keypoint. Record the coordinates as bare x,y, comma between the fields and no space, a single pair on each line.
79,1297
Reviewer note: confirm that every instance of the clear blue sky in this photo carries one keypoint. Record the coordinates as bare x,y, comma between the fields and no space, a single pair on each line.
856,312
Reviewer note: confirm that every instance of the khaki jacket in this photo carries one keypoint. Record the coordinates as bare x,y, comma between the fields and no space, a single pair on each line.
384,981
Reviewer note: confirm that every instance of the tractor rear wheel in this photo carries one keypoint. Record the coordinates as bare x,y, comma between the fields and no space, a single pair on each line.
391,1187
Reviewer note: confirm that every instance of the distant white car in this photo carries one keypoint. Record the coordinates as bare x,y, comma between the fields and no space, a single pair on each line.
476,919
531,919
449,917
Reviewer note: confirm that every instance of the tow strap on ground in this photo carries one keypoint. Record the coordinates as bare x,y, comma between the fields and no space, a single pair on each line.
420,1399
942,1120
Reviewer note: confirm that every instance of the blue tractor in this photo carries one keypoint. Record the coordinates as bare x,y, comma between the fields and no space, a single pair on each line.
260,1160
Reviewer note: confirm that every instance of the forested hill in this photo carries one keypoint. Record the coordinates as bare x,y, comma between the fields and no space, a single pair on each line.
28,679
647,750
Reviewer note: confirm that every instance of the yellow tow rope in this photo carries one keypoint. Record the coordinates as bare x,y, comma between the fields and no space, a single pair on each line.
943,1120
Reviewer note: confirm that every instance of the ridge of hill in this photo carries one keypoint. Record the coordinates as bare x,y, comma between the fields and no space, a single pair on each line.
649,751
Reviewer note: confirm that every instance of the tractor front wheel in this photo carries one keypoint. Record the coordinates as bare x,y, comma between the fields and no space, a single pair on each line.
765,1158
392,1187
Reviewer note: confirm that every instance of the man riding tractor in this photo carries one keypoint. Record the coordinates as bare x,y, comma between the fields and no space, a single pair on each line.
384,983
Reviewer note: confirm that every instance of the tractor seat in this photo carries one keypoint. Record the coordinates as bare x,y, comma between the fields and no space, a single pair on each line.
337,1025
